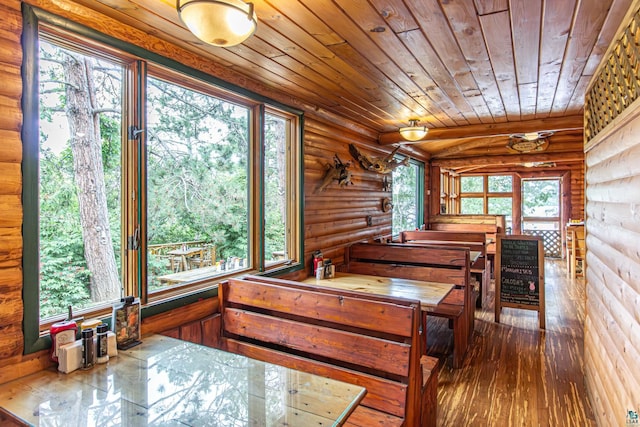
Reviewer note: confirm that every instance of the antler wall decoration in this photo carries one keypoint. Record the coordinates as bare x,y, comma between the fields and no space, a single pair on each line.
382,165
339,171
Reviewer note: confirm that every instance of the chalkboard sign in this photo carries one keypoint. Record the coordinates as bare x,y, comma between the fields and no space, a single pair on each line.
519,273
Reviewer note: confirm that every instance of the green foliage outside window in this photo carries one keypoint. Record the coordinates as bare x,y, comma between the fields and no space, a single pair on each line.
471,205
540,197
472,184
500,183
406,198
197,162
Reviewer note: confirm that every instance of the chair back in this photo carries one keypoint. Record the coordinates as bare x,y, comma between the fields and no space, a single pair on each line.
576,250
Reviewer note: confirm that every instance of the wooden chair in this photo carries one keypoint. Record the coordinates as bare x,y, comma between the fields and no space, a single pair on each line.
175,264
204,258
578,252
569,249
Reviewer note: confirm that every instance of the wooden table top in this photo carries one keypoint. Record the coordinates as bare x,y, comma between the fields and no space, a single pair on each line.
165,381
185,252
428,293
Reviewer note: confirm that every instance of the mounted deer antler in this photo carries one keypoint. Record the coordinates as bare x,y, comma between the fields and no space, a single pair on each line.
339,171
382,165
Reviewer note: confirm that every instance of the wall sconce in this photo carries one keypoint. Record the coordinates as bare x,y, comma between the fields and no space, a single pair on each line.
221,23
413,132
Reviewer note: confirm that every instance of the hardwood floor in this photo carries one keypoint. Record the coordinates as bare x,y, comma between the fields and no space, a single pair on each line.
516,374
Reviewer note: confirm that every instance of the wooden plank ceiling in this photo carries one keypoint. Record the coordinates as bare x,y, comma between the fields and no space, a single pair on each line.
473,71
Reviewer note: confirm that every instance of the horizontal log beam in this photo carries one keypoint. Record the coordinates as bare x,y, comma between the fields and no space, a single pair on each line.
490,130
507,160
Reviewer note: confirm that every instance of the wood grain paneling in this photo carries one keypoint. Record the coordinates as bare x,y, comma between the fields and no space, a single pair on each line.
462,18
11,338
378,63
336,217
612,330
497,32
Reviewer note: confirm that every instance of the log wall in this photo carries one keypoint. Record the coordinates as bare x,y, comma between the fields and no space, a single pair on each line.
612,324
336,217
11,339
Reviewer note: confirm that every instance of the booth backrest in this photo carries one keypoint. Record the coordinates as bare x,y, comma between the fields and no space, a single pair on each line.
369,340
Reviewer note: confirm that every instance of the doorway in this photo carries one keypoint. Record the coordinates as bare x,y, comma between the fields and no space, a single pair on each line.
541,213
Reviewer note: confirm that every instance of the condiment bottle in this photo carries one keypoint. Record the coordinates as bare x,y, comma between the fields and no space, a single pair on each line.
102,349
62,333
88,355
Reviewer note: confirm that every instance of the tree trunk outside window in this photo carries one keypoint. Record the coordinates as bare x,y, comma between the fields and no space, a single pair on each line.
86,146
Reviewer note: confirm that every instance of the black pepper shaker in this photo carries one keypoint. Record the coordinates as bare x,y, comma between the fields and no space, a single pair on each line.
102,349
88,356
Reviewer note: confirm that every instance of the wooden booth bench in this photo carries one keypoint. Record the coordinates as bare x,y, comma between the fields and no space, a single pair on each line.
476,242
367,340
428,263
491,225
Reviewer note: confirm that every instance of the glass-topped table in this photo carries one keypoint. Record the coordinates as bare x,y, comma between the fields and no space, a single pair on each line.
168,382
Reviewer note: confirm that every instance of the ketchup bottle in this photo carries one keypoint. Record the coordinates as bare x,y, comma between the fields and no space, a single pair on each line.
62,333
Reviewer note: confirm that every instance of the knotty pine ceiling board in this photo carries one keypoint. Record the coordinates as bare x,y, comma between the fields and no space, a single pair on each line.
392,94
497,32
372,21
609,28
556,24
339,48
465,23
364,45
449,63
444,91
588,21
486,7
525,23
472,109
320,63
439,34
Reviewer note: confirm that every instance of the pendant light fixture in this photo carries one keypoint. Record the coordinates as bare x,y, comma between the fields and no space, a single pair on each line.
221,23
413,132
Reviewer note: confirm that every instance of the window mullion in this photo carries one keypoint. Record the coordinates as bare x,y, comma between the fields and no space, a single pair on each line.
256,175
134,172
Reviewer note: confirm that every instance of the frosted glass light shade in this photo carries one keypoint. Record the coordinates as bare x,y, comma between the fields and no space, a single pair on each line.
221,23
414,132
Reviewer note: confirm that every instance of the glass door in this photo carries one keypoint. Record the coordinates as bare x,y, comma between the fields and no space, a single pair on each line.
541,212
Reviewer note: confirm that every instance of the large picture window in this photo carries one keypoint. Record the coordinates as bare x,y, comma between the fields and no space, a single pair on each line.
147,178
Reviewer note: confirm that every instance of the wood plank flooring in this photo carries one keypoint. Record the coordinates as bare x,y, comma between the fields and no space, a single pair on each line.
516,374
